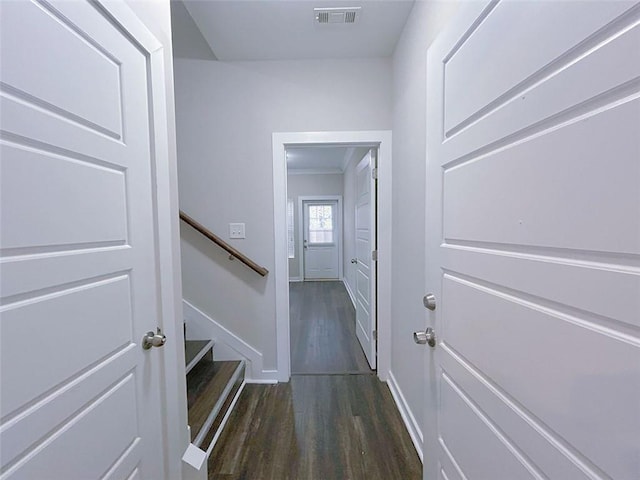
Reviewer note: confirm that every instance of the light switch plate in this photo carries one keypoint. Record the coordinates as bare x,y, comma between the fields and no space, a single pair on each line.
236,230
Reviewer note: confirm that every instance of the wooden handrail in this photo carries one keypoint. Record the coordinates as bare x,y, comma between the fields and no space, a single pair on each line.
222,244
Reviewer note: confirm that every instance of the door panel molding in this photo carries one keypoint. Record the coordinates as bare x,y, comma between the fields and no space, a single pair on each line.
532,241
84,135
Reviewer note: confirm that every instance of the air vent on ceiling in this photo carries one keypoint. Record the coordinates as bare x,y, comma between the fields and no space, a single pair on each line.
336,15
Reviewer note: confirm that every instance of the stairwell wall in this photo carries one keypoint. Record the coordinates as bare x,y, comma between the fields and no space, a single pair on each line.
226,113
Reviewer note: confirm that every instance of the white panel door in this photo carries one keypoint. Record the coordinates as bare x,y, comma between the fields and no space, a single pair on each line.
80,398
321,240
365,266
533,242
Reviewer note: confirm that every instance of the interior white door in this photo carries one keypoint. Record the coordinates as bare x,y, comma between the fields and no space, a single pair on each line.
80,398
321,242
366,267
533,242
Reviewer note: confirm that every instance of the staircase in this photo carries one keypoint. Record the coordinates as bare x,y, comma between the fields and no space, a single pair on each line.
212,388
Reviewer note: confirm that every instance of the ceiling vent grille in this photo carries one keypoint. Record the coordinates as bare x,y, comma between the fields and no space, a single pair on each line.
336,15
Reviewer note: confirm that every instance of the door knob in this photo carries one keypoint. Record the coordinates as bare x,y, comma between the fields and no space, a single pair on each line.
151,339
354,260
428,337
429,301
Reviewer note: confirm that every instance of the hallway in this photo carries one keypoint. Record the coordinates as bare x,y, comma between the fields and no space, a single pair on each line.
316,427
334,420
323,337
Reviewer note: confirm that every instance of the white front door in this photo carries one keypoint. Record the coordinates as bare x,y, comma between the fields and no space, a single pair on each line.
533,242
321,240
365,266
80,397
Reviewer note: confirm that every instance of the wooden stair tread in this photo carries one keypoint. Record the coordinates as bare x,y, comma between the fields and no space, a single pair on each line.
194,350
218,422
206,383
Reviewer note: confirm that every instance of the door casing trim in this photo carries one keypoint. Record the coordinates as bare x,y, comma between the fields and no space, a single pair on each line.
374,138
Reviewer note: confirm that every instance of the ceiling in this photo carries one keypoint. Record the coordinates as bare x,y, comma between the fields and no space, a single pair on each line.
286,29
326,159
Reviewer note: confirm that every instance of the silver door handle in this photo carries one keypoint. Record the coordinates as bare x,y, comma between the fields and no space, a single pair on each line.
151,339
354,260
428,337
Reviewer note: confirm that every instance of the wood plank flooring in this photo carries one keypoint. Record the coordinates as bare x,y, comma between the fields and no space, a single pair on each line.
316,427
323,337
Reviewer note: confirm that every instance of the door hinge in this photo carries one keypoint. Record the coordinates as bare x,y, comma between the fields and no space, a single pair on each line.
374,173
375,335
374,255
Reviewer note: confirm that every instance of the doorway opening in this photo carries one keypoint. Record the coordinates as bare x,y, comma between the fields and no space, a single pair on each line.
317,316
323,293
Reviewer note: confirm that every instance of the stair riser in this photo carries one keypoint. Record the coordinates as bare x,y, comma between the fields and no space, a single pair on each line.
197,351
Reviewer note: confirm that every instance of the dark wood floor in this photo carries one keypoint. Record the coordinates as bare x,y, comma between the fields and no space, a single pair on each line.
323,337
316,427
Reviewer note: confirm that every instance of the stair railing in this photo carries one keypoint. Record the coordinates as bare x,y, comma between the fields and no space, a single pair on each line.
233,253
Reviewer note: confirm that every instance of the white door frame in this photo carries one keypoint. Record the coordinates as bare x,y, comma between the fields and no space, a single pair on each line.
165,207
319,198
373,138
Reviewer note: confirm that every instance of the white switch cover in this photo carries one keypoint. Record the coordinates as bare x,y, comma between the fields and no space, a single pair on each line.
236,230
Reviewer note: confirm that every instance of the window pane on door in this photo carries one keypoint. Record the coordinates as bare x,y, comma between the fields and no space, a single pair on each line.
320,224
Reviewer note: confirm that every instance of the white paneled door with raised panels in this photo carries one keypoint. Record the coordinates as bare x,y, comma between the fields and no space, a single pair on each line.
533,230
80,398
365,216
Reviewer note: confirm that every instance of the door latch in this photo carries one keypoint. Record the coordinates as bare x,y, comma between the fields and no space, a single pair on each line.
428,337
151,339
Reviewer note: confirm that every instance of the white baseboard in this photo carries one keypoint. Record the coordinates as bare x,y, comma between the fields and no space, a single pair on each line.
228,345
296,279
267,381
415,430
351,295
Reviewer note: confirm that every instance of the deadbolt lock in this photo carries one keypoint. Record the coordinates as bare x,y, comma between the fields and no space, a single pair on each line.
429,301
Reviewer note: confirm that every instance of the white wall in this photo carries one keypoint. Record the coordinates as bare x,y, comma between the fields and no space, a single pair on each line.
306,185
408,227
226,114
